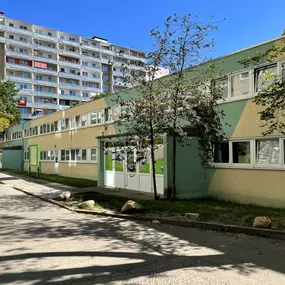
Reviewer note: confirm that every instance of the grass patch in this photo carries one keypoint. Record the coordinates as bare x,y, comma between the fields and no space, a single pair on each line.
209,209
70,181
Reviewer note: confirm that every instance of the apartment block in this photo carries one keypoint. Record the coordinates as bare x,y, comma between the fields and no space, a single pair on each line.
54,70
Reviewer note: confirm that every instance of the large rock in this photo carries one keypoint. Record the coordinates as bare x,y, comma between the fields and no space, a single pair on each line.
262,222
131,207
89,204
192,216
65,195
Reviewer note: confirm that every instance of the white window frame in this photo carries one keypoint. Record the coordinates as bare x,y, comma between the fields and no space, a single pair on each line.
252,155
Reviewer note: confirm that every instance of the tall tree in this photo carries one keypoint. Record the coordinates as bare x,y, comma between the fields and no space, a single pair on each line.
183,99
192,101
9,110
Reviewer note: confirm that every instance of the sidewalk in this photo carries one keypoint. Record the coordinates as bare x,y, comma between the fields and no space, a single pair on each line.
49,190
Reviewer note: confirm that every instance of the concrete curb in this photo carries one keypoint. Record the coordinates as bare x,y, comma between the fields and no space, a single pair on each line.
268,233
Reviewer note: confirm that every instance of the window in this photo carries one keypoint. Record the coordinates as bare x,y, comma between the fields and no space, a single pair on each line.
62,156
39,89
241,152
84,83
11,25
104,67
240,84
23,28
50,90
23,62
62,92
85,73
84,154
77,121
48,128
52,127
49,34
72,154
105,88
83,120
23,40
267,151
11,73
84,63
50,79
78,154
85,94
62,69
11,60
41,129
44,128
93,154
108,114
23,86
55,126
39,77
72,93
221,152
48,155
67,155
11,37
49,45
49,56
94,65
105,77
67,124
62,125
93,118
260,82
122,70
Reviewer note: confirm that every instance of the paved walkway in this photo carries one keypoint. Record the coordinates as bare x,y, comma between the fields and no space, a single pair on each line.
51,189
41,243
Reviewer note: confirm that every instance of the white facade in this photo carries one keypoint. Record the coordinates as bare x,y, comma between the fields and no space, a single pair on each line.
53,69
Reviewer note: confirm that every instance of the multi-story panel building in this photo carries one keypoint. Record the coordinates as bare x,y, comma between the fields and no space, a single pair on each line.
54,69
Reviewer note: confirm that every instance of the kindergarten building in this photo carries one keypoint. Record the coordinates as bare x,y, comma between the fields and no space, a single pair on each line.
248,168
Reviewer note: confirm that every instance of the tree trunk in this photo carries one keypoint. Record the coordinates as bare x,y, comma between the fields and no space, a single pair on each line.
173,188
153,163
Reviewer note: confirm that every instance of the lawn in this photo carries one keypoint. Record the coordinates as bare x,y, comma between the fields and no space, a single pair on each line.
209,209
70,181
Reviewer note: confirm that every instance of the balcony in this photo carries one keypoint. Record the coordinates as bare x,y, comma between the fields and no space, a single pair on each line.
19,79
68,63
63,107
18,42
92,79
91,47
65,41
45,71
19,67
19,54
70,97
93,89
45,82
91,68
19,31
91,57
45,59
110,52
45,48
86,99
47,94
70,86
45,37
70,53
69,75
26,92
43,105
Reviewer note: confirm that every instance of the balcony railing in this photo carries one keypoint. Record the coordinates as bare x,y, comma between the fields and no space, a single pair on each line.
92,79
70,97
19,79
47,94
91,47
45,82
68,63
43,105
88,88
69,42
45,36
19,54
45,71
45,59
69,75
70,86
18,31
19,66
70,53
45,48
18,42
63,107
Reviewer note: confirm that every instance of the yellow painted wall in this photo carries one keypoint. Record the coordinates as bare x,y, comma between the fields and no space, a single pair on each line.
82,170
250,186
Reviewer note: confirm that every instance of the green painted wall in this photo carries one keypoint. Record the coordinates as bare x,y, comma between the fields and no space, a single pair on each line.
12,159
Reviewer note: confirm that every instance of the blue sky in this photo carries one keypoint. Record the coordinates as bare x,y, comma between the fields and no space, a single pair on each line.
127,22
